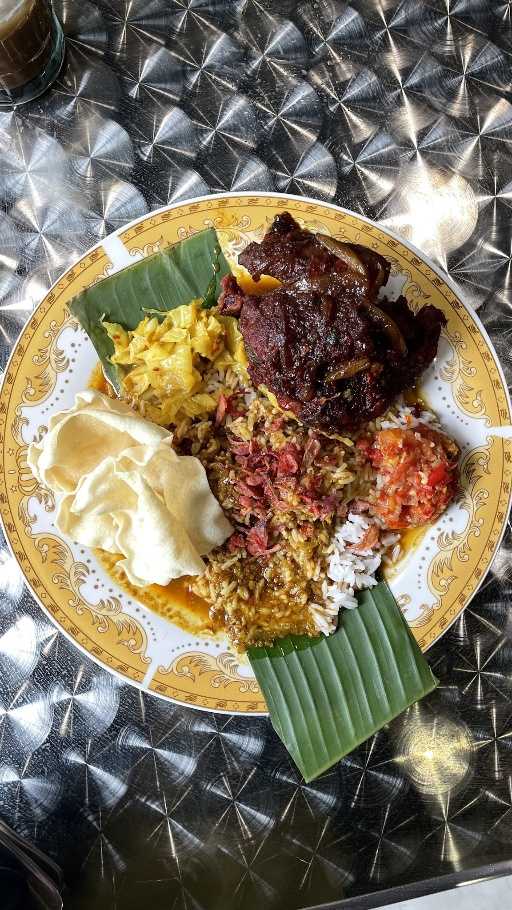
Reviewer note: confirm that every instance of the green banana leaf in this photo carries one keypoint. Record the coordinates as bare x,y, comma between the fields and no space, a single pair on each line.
190,269
327,695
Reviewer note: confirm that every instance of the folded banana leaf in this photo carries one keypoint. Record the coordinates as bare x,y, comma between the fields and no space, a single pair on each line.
327,695
186,271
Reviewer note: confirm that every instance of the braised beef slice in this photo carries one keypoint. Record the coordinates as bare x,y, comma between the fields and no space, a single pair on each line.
319,342
289,253
232,297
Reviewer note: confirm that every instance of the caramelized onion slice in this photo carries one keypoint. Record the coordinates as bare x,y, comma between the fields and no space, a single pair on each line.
376,267
389,326
344,252
348,369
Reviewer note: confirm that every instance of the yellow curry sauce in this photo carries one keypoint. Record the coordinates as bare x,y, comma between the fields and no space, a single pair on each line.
174,601
410,540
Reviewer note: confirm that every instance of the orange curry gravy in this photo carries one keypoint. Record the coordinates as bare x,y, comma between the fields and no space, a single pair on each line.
175,601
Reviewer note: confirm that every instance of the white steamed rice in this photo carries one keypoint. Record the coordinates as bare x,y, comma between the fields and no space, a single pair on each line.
348,571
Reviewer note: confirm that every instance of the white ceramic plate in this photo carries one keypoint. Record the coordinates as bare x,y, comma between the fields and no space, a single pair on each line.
53,360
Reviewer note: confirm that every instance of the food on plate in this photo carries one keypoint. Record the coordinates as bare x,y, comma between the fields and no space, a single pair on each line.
291,253
304,506
416,475
156,284
267,448
314,506
122,487
163,363
322,342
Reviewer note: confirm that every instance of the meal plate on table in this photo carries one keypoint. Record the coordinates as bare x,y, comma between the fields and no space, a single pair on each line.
441,568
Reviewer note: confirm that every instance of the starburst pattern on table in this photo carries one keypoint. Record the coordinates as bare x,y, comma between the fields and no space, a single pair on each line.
275,46
26,717
323,858
149,71
501,801
99,147
167,135
299,800
456,827
95,774
391,843
304,168
169,830
86,85
208,55
175,184
28,789
254,864
237,805
237,173
85,705
493,740
50,229
11,581
83,24
139,17
223,121
32,162
334,28
166,753
19,648
111,204
371,774
223,742
478,669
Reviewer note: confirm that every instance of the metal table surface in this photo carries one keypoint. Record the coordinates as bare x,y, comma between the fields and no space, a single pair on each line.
401,111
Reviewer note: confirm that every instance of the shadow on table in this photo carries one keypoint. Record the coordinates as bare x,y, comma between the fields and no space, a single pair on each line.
29,880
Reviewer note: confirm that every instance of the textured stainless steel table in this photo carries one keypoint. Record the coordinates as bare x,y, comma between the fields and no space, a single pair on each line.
399,110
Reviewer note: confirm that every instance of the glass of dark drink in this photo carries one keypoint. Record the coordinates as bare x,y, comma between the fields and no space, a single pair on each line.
31,49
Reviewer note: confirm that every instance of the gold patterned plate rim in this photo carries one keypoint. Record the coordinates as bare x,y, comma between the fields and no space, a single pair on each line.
442,574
